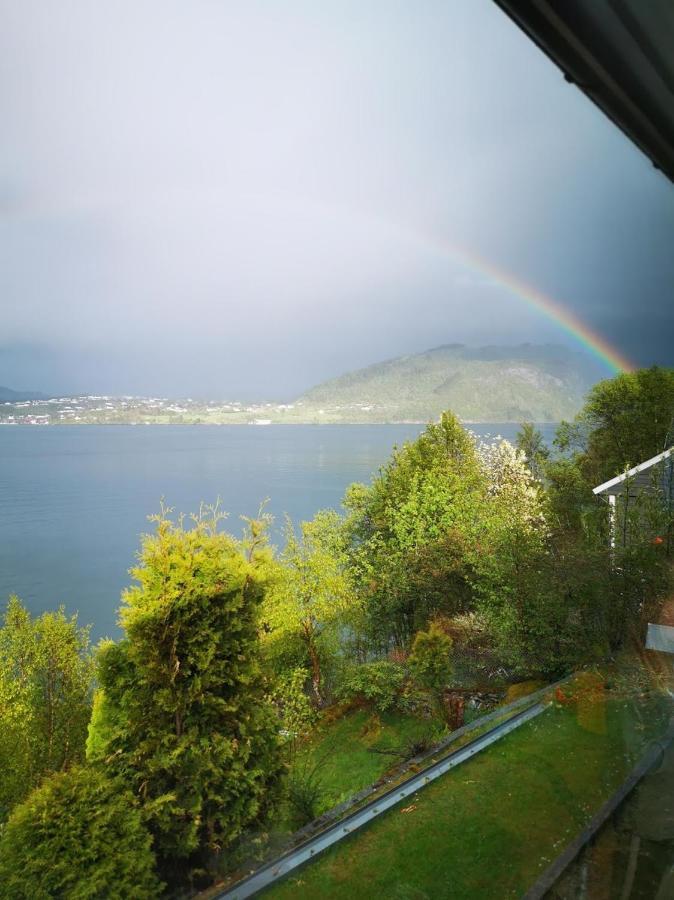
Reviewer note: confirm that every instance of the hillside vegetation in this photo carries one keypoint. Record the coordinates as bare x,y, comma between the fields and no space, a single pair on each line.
539,383
487,384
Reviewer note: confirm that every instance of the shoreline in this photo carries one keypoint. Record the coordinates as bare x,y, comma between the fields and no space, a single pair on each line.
421,422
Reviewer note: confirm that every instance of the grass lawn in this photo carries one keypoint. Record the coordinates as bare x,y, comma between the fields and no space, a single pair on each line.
489,827
343,751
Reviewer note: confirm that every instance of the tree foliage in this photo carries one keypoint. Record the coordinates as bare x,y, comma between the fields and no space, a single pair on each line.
310,599
626,420
610,593
78,836
183,718
409,532
292,703
529,440
46,676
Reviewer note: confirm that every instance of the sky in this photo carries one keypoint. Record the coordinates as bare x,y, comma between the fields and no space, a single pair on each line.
242,199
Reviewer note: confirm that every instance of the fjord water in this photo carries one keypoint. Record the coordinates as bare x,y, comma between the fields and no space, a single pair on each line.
74,499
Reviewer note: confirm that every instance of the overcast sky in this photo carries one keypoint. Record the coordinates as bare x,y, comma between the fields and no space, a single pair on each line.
225,199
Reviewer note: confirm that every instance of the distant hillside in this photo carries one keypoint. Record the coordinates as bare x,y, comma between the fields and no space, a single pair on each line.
487,384
9,396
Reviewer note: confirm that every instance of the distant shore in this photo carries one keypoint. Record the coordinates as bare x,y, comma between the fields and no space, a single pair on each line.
104,410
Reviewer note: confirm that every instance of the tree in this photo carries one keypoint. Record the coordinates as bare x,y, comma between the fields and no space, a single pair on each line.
511,486
409,533
529,441
78,836
310,597
46,676
183,718
517,578
625,420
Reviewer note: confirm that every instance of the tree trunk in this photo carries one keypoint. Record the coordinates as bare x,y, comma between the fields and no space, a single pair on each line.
315,673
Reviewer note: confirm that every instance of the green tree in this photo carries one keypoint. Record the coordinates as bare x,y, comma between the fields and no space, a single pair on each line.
183,719
310,598
77,836
410,530
46,676
625,420
529,440
516,579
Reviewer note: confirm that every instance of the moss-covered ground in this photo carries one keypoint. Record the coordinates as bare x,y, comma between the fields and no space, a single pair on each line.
488,828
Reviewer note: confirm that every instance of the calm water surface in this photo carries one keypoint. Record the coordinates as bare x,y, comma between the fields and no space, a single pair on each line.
74,499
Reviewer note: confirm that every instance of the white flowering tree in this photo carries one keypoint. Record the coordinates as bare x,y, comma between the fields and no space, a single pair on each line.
512,485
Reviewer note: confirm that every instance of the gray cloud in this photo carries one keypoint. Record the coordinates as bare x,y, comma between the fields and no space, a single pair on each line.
226,198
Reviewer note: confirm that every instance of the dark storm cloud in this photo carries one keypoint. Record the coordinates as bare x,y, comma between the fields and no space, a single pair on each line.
226,199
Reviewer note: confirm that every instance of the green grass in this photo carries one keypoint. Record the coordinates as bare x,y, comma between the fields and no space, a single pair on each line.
343,751
489,827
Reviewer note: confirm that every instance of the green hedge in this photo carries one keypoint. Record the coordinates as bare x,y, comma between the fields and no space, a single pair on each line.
77,836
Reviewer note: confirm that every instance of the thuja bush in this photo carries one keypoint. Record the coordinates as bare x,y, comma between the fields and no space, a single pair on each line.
78,836
182,716
430,662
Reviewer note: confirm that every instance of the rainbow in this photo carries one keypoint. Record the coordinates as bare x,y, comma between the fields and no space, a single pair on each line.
551,309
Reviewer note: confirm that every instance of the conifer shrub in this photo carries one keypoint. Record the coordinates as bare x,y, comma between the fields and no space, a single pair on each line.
430,662
183,718
79,835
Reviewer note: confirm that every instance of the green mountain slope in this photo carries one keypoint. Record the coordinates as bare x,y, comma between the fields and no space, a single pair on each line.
487,384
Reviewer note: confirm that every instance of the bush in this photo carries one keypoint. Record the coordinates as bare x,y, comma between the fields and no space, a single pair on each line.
379,683
294,707
431,664
77,836
182,717
430,660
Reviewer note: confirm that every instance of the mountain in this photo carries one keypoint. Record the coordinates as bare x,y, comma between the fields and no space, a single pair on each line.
541,383
9,396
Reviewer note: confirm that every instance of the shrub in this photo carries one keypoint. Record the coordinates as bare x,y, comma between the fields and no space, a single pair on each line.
430,660
379,683
77,836
183,718
431,664
295,709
